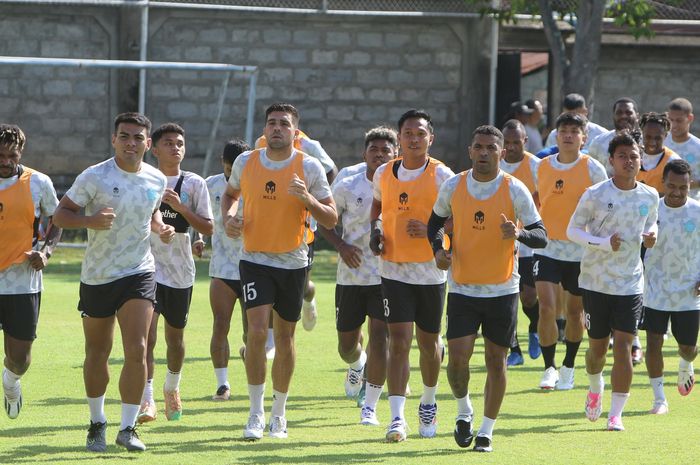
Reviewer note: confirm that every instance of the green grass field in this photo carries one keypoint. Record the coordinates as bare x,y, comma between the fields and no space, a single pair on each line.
534,427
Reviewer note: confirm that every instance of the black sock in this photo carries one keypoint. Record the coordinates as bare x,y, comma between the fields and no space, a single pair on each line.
533,314
548,355
571,351
516,349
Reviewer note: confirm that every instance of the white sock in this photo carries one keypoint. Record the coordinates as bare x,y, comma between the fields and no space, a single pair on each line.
270,343
464,406
428,397
97,409
657,385
9,379
279,403
597,382
147,391
619,399
360,362
129,413
372,394
636,342
486,429
684,364
396,404
221,376
256,395
172,381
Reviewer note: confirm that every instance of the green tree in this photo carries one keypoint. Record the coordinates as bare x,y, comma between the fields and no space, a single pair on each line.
577,65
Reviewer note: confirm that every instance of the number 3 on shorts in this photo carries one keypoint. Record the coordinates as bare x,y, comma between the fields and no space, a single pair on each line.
249,291
386,308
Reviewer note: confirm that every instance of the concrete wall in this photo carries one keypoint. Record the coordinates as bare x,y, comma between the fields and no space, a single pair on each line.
652,76
345,74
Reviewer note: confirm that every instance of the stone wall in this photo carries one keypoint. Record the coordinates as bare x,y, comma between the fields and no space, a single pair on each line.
345,74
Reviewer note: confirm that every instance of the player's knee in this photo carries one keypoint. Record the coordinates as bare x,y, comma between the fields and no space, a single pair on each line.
399,345
688,352
135,352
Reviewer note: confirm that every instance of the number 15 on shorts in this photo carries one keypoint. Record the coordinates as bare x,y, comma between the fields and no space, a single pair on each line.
249,292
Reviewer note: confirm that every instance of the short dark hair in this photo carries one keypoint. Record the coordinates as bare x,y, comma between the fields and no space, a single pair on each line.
681,104
166,128
381,133
658,118
284,108
678,166
133,118
12,136
623,137
488,130
572,119
625,100
233,148
514,124
573,102
415,113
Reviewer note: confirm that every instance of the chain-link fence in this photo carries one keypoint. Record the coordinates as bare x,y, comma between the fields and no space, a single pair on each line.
670,9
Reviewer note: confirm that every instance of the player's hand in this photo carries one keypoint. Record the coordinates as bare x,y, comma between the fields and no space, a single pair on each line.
297,188
233,227
376,242
103,219
417,229
37,260
198,248
508,229
443,259
351,255
649,239
615,242
166,233
172,198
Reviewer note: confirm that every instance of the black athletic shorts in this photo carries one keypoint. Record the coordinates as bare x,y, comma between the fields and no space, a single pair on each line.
557,272
497,317
173,304
418,303
234,284
265,285
604,313
684,324
19,315
104,300
353,303
525,271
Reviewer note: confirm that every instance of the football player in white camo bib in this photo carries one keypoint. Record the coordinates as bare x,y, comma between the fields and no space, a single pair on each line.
358,290
117,281
184,205
225,285
672,283
26,196
681,141
612,220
